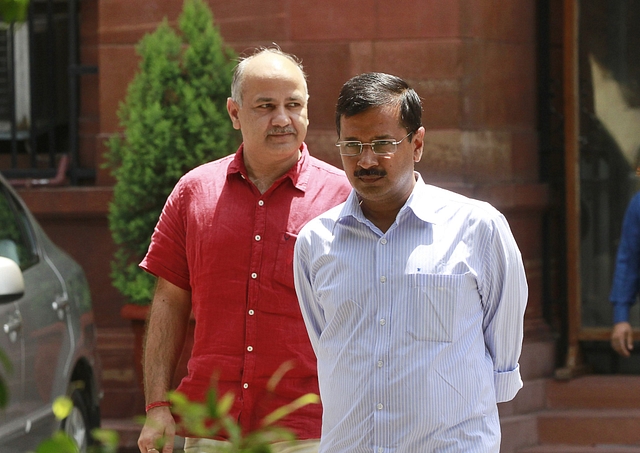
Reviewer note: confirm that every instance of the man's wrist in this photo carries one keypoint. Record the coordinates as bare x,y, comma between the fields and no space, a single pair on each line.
156,404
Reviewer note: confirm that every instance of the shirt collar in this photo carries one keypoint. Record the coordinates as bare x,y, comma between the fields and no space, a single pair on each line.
298,173
421,202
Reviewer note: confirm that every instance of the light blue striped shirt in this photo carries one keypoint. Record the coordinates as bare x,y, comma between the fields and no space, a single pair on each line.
418,330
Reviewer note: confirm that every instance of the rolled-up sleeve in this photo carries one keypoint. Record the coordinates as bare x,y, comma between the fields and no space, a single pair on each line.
504,294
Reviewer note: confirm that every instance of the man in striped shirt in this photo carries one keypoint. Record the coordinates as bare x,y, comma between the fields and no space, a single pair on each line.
413,296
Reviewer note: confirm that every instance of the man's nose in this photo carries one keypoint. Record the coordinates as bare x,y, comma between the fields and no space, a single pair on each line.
281,117
367,158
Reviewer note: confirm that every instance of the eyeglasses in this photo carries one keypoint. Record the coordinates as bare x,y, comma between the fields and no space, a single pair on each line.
379,147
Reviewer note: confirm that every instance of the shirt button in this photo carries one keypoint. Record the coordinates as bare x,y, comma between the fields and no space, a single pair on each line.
251,312
380,449
380,363
245,385
258,237
249,348
254,275
260,203
383,322
383,241
379,406
383,279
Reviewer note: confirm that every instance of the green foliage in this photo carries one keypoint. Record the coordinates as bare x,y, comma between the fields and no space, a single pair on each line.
206,420
13,10
174,118
60,442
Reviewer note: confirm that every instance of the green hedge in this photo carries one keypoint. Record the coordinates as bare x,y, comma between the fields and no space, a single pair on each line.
174,118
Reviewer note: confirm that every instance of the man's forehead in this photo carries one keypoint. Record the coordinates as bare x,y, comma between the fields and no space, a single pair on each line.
278,88
273,73
276,95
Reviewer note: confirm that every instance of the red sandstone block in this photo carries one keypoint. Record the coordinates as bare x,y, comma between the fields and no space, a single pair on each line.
500,20
327,66
510,85
441,110
265,27
406,19
87,150
590,427
501,85
116,15
442,158
249,9
361,55
89,54
525,154
595,392
334,20
117,68
513,21
89,89
420,59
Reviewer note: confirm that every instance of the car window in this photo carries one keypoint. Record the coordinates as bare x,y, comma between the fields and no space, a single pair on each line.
16,237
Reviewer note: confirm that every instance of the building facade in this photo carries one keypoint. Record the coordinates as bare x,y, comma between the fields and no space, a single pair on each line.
493,76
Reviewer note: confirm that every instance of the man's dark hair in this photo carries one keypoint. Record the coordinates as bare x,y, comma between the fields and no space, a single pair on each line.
376,89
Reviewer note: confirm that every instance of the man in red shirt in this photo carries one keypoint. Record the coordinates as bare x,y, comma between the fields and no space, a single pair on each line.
223,249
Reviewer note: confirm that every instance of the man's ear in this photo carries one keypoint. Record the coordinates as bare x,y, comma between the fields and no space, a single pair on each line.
418,144
233,108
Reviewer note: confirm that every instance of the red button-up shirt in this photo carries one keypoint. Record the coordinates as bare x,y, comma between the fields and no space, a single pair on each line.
232,247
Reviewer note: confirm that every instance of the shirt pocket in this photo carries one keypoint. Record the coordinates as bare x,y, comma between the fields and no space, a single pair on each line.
283,269
432,316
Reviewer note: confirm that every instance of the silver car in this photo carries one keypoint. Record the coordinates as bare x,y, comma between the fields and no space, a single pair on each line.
47,331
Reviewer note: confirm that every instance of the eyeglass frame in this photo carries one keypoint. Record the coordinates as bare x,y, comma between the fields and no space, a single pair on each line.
372,145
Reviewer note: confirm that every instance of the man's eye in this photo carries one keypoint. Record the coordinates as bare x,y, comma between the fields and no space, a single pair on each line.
382,142
352,144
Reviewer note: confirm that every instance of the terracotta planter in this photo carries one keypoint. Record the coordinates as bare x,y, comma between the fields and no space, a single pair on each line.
137,314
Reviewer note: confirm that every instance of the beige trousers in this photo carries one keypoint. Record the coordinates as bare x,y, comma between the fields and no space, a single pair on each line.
196,445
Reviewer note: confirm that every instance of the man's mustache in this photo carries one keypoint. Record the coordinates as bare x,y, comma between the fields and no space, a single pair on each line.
281,130
369,172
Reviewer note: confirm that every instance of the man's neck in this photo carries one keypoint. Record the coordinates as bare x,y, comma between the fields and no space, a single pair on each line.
263,174
382,218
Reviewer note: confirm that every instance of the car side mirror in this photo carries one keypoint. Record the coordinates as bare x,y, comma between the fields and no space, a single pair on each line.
11,281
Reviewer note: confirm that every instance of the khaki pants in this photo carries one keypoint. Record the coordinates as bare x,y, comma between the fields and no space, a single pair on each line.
195,445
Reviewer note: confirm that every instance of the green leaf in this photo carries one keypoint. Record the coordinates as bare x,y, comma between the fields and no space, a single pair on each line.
281,412
62,407
14,10
58,443
107,438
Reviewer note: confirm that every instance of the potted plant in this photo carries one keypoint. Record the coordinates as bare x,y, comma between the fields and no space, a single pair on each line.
173,119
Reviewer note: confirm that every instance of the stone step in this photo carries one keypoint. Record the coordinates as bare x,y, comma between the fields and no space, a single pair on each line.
605,448
595,392
588,427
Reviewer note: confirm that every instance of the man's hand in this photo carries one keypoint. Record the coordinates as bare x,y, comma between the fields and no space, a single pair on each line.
622,338
159,429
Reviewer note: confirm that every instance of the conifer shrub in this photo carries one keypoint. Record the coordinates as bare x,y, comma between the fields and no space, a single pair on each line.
173,119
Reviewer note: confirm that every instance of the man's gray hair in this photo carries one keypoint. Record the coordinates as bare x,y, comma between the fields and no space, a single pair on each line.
238,73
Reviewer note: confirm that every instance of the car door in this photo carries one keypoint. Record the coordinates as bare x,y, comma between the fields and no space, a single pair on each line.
47,342
37,336
15,243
